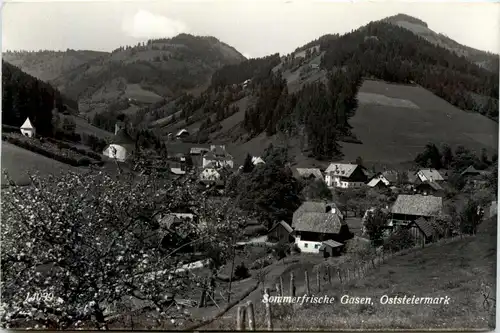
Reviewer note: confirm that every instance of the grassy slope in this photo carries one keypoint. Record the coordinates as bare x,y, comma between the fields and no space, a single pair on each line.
18,162
396,134
424,273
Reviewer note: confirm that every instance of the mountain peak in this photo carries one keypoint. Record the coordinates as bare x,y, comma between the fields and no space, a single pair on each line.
406,18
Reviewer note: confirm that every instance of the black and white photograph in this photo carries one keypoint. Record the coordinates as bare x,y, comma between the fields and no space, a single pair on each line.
249,165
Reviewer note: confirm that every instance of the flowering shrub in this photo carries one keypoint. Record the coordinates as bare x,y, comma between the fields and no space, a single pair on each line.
90,240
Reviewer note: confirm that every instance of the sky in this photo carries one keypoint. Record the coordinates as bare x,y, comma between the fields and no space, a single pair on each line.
255,28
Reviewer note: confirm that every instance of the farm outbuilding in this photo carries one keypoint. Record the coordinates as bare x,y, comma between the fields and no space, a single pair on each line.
28,129
281,232
422,232
331,248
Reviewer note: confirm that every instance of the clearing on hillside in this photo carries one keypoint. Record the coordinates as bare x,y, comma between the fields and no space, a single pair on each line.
393,130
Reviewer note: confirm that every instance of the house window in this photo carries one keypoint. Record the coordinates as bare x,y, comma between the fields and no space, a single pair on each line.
306,245
316,246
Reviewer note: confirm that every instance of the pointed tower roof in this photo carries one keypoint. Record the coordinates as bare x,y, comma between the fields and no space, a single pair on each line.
122,137
27,124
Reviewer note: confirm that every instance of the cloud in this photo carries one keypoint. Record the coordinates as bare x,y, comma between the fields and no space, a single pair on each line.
145,24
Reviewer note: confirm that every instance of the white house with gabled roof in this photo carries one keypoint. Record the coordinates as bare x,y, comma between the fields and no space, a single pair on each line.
345,175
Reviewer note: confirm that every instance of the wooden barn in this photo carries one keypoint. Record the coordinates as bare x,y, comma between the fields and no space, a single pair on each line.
281,232
423,232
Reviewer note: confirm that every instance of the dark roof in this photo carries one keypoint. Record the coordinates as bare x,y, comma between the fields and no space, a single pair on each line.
473,171
425,227
316,207
327,223
391,176
419,205
307,172
331,243
284,225
122,137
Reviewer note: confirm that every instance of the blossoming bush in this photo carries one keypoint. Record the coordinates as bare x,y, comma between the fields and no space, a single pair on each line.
92,240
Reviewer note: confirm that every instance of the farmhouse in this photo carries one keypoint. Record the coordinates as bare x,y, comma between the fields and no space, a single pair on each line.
345,175
28,129
429,188
121,146
316,222
308,173
219,157
281,232
431,175
474,177
409,208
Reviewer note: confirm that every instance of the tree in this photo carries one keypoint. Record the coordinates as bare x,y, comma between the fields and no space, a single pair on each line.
101,235
375,223
359,161
430,157
316,189
270,190
248,164
470,217
447,156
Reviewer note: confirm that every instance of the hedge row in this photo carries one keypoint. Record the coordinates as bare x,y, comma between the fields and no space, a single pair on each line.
63,145
50,154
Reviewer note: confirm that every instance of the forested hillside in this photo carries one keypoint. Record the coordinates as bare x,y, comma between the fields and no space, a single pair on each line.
483,59
317,113
47,65
395,54
25,96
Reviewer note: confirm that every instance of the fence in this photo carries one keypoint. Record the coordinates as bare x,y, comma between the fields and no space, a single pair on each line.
331,275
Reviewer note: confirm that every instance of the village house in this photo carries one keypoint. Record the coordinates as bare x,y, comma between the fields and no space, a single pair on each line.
345,176
423,232
431,175
409,208
429,188
256,160
197,153
281,232
183,133
27,129
213,175
121,145
316,222
385,179
474,177
308,173
219,157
